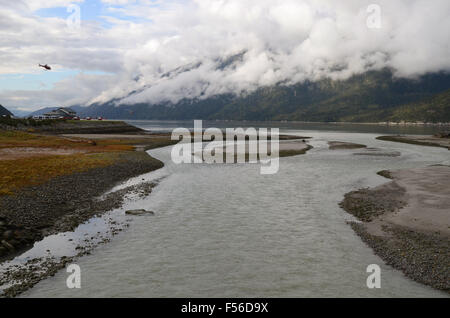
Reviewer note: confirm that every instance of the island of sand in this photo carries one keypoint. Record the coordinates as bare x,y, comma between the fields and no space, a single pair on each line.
407,222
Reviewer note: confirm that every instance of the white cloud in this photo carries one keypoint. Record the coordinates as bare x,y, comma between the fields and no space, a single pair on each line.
41,4
71,91
284,40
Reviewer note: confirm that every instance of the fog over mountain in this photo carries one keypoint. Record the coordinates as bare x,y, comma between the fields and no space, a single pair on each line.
167,51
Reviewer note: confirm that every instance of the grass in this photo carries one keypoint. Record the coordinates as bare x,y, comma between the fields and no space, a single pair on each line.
27,122
19,173
14,139
30,122
16,174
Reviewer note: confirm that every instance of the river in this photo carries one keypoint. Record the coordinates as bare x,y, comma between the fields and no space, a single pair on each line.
228,231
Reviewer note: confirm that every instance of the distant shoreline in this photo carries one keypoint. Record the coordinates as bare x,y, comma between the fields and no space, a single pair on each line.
297,122
57,127
430,141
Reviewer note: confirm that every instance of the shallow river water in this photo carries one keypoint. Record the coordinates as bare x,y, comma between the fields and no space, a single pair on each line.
228,231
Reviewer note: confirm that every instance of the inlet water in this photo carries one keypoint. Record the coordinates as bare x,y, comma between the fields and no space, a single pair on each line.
228,231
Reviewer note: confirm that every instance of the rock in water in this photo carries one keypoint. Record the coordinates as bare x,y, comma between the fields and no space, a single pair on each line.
139,212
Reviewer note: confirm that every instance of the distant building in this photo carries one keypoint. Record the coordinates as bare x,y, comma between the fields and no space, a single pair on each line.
62,112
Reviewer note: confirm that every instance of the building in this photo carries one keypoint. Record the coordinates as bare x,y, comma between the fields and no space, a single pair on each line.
62,112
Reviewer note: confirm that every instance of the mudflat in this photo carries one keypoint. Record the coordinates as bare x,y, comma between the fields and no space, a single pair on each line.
433,141
335,145
407,222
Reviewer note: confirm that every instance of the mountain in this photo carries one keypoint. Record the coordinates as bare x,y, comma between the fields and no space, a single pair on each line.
4,111
435,109
45,110
370,97
41,111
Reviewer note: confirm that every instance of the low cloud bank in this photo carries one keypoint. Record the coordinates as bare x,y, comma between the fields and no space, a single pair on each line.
279,41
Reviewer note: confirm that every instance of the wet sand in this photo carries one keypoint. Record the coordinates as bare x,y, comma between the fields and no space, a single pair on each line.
287,148
432,141
428,199
335,145
407,222
292,146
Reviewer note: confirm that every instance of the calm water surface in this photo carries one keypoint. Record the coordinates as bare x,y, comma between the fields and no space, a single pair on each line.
227,231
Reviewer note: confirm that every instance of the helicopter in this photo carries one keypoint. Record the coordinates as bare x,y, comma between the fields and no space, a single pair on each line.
48,68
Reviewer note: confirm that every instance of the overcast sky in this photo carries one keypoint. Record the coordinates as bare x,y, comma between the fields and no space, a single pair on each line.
124,45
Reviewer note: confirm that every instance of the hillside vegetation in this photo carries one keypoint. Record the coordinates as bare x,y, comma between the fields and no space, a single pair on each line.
370,97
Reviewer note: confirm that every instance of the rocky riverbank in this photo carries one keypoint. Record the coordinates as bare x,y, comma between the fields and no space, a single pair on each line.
407,222
19,277
55,183
31,212
64,202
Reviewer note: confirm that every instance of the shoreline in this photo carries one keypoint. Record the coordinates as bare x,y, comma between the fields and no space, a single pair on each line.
406,222
19,275
430,141
66,199
62,204
75,197
307,122
27,214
